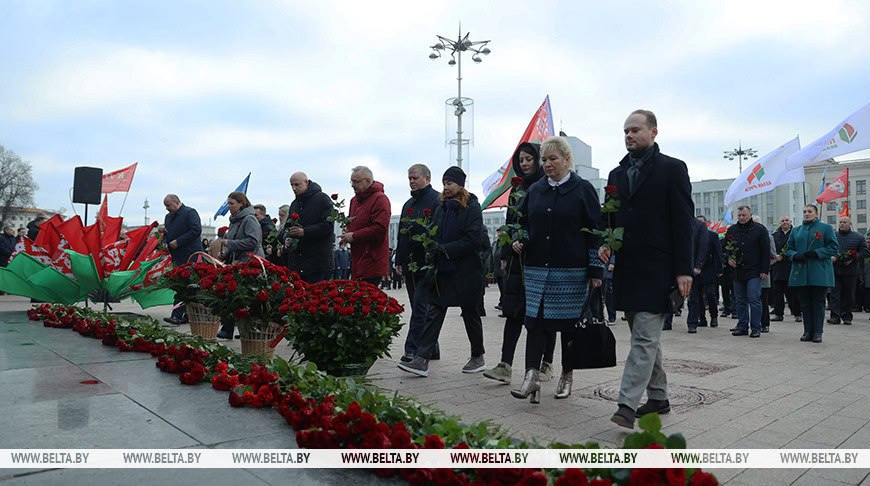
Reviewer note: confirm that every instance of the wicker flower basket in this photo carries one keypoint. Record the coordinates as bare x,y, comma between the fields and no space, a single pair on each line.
202,322
261,338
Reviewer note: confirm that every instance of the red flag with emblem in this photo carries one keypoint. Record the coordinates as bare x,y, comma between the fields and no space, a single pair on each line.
72,231
137,239
119,180
837,189
845,211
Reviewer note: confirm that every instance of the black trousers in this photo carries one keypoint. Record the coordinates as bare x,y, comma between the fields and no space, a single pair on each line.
426,337
780,293
728,301
843,297
813,308
500,282
765,307
537,342
710,300
513,327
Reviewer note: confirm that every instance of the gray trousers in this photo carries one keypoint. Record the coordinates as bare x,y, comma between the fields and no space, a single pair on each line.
643,368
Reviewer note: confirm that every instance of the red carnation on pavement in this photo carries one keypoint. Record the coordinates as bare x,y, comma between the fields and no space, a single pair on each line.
294,216
427,212
610,190
516,181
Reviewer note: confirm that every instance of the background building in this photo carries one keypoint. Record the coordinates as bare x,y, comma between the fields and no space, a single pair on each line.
19,217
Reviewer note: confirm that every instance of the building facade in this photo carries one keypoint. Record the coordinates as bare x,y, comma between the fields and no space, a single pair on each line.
19,217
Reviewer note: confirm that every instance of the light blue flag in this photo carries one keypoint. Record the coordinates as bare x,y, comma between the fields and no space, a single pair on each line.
822,185
243,187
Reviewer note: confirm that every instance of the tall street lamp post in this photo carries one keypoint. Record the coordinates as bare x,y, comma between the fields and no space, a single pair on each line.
455,48
739,153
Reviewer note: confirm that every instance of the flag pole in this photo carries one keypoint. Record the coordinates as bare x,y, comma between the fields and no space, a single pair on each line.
126,193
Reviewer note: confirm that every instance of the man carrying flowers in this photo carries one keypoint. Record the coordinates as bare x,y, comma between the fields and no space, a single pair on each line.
853,249
307,224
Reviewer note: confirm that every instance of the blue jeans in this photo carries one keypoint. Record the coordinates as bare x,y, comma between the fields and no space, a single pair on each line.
748,296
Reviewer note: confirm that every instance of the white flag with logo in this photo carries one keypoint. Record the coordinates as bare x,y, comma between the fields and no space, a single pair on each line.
852,135
495,179
767,173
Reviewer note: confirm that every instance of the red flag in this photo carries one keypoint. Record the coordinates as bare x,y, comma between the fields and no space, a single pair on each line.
25,245
837,189
48,236
137,239
112,254
110,227
72,231
119,180
91,237
103,213
147,253
845,211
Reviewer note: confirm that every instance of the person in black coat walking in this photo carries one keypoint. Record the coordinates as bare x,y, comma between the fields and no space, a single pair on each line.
700,251
751,263
656,213
526,162
182,233
853,248
779,272
708,280
457,280
308,223
422,204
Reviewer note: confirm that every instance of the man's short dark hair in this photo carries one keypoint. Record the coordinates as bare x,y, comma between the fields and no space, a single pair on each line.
260,207
701,216
651,121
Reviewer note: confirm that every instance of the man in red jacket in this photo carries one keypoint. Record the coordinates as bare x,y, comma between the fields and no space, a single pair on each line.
368,230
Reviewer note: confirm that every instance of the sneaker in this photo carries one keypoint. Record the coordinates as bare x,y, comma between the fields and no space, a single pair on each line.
714,323
806,337
847,323
407,358
418,366
546,373
501,372
833,321
624,417
740,332
775,318
765,328
693,330
817,339
475,365
755,333
660,407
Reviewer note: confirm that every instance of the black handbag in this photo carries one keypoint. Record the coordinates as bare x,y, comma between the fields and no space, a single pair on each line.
591,345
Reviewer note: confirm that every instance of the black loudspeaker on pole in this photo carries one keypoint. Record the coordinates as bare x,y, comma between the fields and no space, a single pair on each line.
87,187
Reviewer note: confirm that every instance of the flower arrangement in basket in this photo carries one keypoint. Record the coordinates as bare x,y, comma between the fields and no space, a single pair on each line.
187,281
343,326
255,294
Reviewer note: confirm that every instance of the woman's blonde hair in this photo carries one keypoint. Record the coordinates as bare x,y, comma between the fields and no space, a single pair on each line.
559,144
462,197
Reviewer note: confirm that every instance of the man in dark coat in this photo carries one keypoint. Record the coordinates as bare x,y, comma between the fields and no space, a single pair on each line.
7,244
708,280
33,226
308,223
751,263
779,272
368,230
656,213
422,204
182,233
266,223
700,251
726,281
854,248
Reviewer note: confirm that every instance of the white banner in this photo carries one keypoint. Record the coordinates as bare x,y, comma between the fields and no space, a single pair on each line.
767,173
851,135
433,458
494,180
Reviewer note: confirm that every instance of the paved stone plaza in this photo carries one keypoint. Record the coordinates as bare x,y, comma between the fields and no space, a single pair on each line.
735,392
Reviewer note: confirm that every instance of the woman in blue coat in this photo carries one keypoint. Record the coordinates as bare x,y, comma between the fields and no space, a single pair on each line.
810,248
561,261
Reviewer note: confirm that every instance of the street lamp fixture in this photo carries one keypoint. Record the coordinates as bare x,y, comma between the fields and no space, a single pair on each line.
455,48
739,153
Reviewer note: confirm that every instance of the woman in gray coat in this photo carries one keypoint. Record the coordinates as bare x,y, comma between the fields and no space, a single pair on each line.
244,238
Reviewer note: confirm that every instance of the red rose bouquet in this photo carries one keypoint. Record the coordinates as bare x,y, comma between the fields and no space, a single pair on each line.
732,249
422,231
254,294
189,280
337,324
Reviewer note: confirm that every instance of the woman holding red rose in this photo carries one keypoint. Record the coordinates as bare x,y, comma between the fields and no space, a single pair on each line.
810,248
526,161
244,238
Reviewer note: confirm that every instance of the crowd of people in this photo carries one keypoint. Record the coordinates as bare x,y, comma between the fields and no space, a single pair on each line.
552,266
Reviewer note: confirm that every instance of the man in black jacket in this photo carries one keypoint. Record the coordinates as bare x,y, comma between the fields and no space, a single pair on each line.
33,226
422,204
308,220
7,244
846,271
182,233
751,262
266,223
654,193
779,272
696,297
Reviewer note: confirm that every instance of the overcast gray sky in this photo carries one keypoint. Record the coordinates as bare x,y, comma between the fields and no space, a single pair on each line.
202,92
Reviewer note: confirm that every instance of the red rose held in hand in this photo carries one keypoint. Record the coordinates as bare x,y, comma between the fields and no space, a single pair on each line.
334,197
427,212
610,190
294,216
517,181
409,212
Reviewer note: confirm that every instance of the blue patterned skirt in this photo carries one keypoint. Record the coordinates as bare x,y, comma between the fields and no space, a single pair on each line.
555,293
